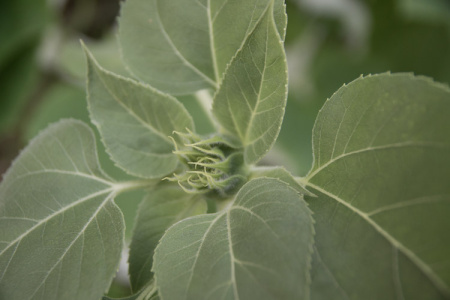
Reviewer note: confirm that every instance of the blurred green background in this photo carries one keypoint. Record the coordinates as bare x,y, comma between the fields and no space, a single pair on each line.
328,43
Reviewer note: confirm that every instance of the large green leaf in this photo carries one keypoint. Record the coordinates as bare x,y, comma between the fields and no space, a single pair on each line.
61,234
135,122
181,46
158,211
251,100
381,173
259,248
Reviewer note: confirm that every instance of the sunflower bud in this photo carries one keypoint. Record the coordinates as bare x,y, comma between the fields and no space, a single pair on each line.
209,164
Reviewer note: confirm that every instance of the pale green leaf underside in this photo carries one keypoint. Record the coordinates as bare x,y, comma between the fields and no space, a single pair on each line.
181,46
381,173
61,234
257,249
159,210
251,100
135,122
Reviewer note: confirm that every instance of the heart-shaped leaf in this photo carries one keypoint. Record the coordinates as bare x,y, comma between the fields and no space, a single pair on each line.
182,46
61,235
259,248
381,173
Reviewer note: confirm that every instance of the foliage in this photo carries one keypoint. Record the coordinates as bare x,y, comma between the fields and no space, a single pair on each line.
370,220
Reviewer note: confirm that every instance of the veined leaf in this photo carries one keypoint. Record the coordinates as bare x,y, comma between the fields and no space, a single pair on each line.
135,122
181,46
61,234
159,210
259,248
147,292
381,172
251,100
281,174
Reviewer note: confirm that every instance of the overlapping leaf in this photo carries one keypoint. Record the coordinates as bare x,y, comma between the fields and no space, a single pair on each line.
281,174
183,46
135,122
158,211
61,234
257,249
251,100
381,170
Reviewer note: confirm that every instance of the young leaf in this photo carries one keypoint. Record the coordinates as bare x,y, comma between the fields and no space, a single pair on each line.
158,211
135,122
61,234
259,248
251,100
183,46
381,170
281,174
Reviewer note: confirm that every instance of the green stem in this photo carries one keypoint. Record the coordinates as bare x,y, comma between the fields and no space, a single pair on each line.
126,186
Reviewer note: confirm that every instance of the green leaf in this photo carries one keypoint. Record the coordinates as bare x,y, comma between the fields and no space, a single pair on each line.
183,46
381,173
61,234
135,122
159,210
251,100
281,174
259,248
147,292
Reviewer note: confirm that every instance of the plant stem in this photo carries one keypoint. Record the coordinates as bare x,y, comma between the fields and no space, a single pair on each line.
126,186
205,100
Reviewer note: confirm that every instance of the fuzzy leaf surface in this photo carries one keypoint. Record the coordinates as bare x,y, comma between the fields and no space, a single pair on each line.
61,234
251,100
381,173
181,46
157,212
281,174
260,248
135,122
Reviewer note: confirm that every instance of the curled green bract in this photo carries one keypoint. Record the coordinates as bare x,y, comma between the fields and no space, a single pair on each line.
209,165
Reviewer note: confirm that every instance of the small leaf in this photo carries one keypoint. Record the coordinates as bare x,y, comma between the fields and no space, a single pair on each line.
135,122
260,248
381,173
159,210
250,102
183,46
61,234
281,174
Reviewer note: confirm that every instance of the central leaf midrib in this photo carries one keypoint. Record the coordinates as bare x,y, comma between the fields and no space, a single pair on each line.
426,270
178,53
377,148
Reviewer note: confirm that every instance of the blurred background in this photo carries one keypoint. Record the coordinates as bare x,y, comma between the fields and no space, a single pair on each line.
328,43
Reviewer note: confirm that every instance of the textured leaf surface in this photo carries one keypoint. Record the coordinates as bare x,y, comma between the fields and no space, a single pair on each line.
158,211
135,122
281,174
251,100
182,46
61,234
258,249
381,173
